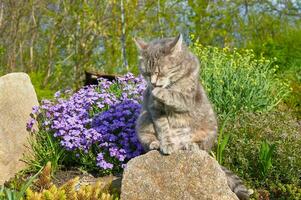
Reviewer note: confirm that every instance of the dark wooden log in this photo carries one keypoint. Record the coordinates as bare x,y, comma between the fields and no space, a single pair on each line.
91,77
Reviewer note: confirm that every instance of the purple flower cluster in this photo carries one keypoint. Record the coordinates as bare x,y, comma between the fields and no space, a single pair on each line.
98,117
117,129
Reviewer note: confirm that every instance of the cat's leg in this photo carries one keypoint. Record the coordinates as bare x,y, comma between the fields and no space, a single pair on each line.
205,137
146,132
186,138
182,137
161,125
167,145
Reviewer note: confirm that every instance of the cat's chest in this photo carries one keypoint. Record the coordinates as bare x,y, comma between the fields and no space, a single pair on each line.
174,119
177,120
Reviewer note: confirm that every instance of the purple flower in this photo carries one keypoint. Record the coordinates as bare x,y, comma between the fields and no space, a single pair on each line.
117,125
57,94
102,163
30,124
35,110
98,120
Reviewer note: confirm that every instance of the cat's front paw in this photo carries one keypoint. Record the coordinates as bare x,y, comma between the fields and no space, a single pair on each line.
158,93
167,149
155,145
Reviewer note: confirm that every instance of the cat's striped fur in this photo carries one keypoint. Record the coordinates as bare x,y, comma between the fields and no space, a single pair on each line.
176,113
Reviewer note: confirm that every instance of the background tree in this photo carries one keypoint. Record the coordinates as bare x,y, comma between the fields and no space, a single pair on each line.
55,41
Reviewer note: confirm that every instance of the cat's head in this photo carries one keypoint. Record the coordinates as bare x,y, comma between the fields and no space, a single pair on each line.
160,60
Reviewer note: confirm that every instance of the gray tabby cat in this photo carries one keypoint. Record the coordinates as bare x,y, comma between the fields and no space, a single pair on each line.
176,113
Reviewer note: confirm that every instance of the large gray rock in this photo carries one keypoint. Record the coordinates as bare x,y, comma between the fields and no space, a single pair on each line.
183,175
17,97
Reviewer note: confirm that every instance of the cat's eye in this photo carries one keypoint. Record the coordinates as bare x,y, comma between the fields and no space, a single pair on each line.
146,74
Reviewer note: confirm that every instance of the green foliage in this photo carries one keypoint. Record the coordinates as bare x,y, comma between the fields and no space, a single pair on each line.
40,187
237,81
44,148
285,191
265,156
43,92
55,41
293,101
241,155
67,192
45,189
10,194
7,194
58,40
285,45
221,143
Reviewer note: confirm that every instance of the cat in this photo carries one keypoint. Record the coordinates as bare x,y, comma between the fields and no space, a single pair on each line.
176,113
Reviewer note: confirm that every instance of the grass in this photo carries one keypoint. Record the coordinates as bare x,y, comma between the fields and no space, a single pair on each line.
44,148
222,141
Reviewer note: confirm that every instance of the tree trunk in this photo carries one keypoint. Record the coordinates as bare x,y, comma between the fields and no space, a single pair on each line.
1,13
123,46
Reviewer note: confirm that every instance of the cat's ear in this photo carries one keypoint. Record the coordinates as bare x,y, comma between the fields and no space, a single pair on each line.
176,45
141,45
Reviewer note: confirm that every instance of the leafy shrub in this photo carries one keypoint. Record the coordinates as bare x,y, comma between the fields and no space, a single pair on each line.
248,133
285,191
237,81
93,124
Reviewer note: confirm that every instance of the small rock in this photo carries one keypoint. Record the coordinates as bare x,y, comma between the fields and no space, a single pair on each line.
182,175
17,97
